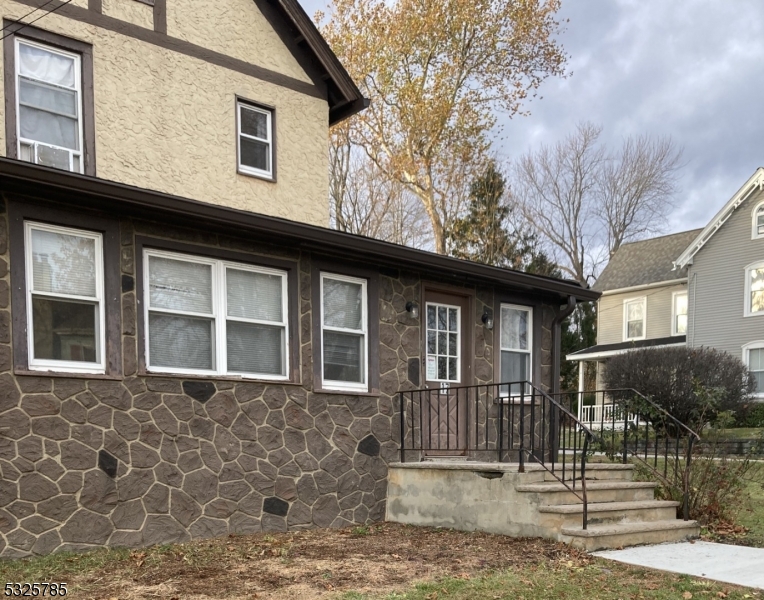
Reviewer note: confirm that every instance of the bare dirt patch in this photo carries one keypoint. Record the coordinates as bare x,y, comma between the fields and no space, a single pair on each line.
304,565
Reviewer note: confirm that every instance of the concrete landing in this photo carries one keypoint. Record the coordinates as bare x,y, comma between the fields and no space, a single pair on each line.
738,565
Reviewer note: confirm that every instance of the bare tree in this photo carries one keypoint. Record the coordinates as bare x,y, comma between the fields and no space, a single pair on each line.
585,201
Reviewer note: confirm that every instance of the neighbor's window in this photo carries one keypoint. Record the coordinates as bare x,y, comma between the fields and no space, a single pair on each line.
679,326
49,106
754,289
64,281
516,343
255,133
755,360
634,318
216,317
344,332
758,222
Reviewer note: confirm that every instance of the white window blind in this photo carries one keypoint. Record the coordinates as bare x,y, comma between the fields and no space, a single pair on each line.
516,345
756,367
64,275
343,332
49,113
255,132
207,315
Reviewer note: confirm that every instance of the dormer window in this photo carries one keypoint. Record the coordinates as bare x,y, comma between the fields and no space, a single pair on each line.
634,318
758,222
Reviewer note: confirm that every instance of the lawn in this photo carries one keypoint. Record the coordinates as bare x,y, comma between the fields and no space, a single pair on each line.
382,561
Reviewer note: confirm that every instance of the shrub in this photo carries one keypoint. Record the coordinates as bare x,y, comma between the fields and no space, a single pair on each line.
676,377
751,415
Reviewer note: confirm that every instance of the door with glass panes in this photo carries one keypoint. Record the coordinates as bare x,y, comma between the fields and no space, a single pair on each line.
447,367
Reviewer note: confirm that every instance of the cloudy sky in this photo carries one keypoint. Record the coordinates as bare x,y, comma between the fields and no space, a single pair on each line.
693,70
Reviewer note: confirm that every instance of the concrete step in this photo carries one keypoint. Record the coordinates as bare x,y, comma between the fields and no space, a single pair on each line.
554,492
602,513
599,537
594,471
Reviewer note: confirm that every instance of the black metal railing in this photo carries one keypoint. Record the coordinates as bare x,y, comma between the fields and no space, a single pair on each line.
505,422
631,427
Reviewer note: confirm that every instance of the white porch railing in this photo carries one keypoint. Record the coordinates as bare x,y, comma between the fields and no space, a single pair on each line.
604,416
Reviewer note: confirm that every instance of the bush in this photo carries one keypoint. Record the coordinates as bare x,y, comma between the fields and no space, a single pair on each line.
675,378
751,415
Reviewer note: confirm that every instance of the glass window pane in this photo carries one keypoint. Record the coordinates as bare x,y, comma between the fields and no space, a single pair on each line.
254,295
343,304
343,357
47,66
755,359
757,290
63,263
255,154
431,342
453,344
442,318
64,330
255,348
48,98
443,368
634,311
57,158
431,317
180,285
514,328
45,127
635,329
453,325
681,324
442,342
453,375
681,304
254,123
515,367
182,342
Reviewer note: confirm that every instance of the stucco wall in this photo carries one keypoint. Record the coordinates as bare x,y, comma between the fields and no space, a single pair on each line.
610,313
717,285
166,121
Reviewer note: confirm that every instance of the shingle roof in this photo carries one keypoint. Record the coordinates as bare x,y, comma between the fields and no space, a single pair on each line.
645,262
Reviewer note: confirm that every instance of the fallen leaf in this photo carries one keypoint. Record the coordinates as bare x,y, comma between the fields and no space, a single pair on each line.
687,596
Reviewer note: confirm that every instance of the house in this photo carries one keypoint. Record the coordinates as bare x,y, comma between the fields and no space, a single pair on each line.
644,303
725,269
185,349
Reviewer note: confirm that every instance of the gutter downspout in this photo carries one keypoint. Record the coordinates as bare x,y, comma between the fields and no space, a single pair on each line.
561,315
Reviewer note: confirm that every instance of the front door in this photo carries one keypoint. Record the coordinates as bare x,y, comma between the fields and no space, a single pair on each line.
447,368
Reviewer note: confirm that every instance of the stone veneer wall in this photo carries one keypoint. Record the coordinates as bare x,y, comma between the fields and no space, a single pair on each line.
147,459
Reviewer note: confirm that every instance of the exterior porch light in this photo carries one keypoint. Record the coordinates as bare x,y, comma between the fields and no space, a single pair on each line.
488,319
413,309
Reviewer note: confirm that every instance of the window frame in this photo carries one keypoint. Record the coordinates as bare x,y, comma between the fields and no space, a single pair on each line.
64,45
270,112
675,314
746,349
530,351
18,41
747,298
626,303
219,314
65,366
330,384
755,235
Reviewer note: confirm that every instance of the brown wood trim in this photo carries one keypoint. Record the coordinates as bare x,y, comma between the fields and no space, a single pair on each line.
537,307
95,5
20,211
371,276
293,296
177,45
160,16
272,110
88,97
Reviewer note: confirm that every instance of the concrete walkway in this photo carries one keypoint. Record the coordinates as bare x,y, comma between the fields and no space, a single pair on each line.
731,564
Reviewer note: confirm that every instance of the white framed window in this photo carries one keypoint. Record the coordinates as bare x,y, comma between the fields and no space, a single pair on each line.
754,289
757,225
49,106
208,316
344,333
753,356
634,318
254,127
64,294
679,313
443,342
516,341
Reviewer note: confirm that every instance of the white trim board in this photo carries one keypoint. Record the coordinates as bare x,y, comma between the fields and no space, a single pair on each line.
609,353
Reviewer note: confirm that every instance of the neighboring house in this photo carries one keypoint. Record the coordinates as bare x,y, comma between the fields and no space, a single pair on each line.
178,360
644,303
725,265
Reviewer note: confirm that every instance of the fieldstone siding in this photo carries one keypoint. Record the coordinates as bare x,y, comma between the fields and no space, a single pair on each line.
144,459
